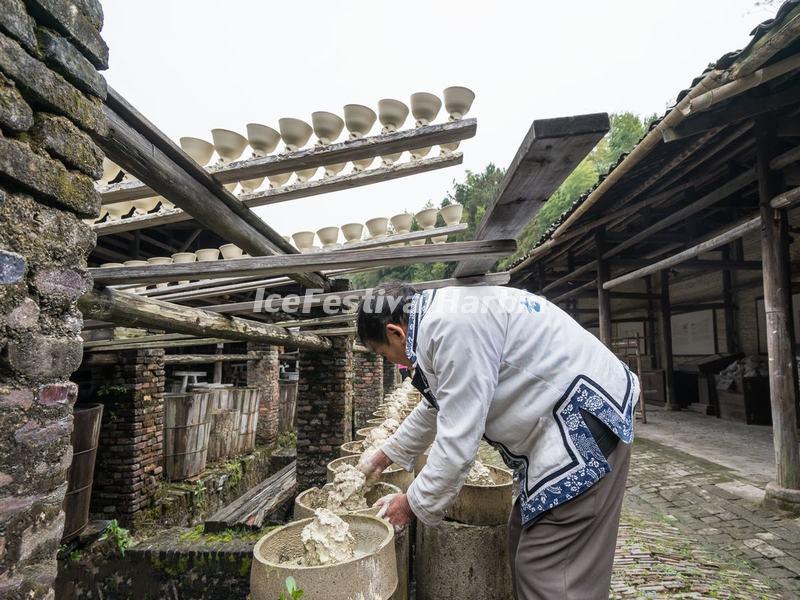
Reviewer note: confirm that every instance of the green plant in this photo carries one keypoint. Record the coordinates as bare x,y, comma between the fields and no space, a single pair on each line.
233,469
119,535
287,439
295,593
199,494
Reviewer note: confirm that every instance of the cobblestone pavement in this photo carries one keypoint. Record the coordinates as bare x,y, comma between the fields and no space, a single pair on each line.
692,529
700,527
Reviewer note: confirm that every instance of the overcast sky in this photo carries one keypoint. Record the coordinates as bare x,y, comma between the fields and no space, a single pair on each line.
193,66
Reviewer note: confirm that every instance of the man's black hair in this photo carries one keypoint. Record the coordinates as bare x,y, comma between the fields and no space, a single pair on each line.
386,303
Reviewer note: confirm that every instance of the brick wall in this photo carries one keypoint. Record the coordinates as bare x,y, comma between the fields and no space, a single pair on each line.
129,456
263,373
391,376
367,386
324,409
50,100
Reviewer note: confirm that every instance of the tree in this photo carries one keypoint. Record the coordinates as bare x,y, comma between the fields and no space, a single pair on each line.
474,194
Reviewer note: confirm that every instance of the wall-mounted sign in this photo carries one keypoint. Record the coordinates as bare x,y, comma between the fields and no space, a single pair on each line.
694,333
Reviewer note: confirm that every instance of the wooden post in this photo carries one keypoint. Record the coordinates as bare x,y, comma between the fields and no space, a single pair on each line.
731,331
218,365
651,320
603,297
666,343
779,326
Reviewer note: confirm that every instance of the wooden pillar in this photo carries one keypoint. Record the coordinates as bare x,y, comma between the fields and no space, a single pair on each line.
651,321
218,365
603,296
731,331
779,326
666,343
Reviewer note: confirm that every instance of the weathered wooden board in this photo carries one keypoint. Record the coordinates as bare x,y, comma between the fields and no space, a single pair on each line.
316,156
551,150
289,192
302,263
253,508
130,309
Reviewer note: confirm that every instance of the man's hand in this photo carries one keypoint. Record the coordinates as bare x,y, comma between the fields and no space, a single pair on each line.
372,464
395,509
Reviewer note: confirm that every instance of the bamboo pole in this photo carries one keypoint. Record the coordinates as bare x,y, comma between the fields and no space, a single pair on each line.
665,315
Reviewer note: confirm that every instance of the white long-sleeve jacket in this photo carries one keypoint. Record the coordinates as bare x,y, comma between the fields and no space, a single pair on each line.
508,366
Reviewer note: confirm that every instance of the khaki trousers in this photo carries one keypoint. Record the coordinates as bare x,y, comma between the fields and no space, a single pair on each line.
569,552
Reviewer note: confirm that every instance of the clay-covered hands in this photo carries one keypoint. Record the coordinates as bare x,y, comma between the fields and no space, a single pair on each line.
372,464
395,509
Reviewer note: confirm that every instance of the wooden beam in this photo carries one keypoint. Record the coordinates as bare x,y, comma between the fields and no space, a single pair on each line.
144,342
728,236
551,150
782,365
141,149
290,192
316,322
316,156
204,359
316,300
737,110
301,263
136,311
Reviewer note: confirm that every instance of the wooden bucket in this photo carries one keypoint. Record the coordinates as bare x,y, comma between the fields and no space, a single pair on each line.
224,435
246,400
85,434
220,395
186,427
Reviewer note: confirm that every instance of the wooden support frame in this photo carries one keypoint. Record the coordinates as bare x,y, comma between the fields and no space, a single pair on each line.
140,148
301,263
317,156
206,359
134,311
290,192
551,150
603,298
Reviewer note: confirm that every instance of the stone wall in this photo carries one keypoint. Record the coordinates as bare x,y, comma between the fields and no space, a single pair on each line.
324,409
50,100
367,386
263,373
129,456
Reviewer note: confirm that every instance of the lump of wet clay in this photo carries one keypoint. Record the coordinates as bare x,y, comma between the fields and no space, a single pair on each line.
327,540
479,474
347,492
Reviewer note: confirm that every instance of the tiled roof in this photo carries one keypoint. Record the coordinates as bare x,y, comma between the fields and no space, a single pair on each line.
724,62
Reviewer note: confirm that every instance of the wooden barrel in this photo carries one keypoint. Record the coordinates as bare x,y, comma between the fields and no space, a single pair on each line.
186,427
246,399
224,436
220,395
85,433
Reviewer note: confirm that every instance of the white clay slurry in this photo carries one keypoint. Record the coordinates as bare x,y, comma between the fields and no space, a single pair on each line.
347,491
479,474
327,540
